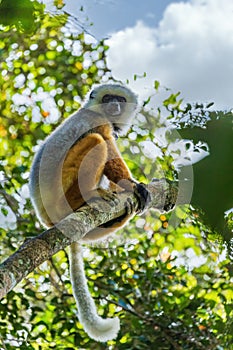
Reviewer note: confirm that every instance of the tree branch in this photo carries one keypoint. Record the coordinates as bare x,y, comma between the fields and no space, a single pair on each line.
33,252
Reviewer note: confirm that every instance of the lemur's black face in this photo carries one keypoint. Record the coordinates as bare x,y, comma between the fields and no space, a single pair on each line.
113,105
116,103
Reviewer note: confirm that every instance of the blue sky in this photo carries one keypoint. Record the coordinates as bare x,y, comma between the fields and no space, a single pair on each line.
186,45
110,16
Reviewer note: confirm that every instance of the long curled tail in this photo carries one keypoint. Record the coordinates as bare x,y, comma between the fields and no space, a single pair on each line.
96,327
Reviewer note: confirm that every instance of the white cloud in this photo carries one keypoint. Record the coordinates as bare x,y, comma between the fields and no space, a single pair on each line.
190,51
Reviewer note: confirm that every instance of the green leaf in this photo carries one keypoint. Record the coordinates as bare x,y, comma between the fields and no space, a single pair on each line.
156,85
18,13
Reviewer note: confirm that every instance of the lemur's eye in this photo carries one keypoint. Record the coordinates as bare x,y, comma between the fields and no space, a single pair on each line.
109,98
121,99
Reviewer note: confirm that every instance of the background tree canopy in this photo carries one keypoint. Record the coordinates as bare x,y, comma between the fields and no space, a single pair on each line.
166,276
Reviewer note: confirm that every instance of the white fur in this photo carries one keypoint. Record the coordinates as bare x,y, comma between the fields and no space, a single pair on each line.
96,327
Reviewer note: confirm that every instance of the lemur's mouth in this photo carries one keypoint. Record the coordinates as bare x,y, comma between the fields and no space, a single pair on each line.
113,108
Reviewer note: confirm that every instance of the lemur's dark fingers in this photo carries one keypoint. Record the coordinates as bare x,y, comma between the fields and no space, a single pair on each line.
143,195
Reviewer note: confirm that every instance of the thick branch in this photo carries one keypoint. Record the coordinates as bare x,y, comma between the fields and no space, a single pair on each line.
35,251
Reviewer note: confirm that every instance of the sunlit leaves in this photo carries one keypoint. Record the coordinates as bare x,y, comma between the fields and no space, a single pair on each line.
43,77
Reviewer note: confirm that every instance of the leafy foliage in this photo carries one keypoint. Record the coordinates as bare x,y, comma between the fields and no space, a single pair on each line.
168,283
20,14
213,191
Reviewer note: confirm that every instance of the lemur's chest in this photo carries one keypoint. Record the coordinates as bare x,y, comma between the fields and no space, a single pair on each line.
105,131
